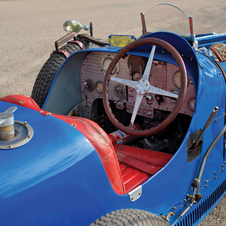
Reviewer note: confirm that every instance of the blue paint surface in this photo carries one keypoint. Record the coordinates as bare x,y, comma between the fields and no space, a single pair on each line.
57,179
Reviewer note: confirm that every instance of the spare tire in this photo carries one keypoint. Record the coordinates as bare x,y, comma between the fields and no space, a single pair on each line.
48,72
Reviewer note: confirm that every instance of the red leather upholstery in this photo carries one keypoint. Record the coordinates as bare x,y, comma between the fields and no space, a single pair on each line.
132,177
137,164
153,158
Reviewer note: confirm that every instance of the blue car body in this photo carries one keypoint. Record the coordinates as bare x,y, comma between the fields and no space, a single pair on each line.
57,178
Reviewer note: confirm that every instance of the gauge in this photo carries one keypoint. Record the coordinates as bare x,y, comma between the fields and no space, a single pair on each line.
119,90
105,64
137,76
191,103
177,79
99,87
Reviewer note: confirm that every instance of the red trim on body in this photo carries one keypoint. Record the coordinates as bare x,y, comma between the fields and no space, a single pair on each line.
102,144
22,100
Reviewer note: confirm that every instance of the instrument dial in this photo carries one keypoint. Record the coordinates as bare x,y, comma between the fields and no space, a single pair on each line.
137,76
105,64
191,103
119,90
99,87
177,79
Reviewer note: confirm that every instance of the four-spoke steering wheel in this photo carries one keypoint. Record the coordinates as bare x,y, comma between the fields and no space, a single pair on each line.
144,87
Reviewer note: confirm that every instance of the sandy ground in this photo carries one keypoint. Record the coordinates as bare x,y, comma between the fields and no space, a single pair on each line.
29,28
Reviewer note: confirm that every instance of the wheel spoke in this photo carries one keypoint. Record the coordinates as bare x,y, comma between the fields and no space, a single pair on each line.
126,82
162,92
136,107
149,64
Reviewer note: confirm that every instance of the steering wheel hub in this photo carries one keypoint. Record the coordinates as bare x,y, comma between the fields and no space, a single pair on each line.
142,86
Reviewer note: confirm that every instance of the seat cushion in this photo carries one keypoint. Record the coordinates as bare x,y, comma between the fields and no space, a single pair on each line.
137,164
132,177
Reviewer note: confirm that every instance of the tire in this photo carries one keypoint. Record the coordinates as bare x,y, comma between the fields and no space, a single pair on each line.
47,73
131,217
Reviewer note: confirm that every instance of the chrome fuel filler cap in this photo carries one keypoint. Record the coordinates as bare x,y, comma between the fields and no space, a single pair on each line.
13,134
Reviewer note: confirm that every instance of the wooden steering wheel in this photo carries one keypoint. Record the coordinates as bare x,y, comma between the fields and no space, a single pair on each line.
143,87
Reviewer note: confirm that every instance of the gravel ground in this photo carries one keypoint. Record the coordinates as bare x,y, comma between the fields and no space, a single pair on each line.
29,28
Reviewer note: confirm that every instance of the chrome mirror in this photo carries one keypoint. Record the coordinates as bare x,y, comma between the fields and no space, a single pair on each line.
73,25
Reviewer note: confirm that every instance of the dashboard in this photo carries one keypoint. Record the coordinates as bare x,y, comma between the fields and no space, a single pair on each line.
163,75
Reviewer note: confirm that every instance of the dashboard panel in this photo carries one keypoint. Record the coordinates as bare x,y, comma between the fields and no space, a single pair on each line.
163,75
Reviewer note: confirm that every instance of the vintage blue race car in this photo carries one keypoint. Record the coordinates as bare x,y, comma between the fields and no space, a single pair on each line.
131,135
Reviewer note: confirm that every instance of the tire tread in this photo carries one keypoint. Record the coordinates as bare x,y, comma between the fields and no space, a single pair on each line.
129,217
48,72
